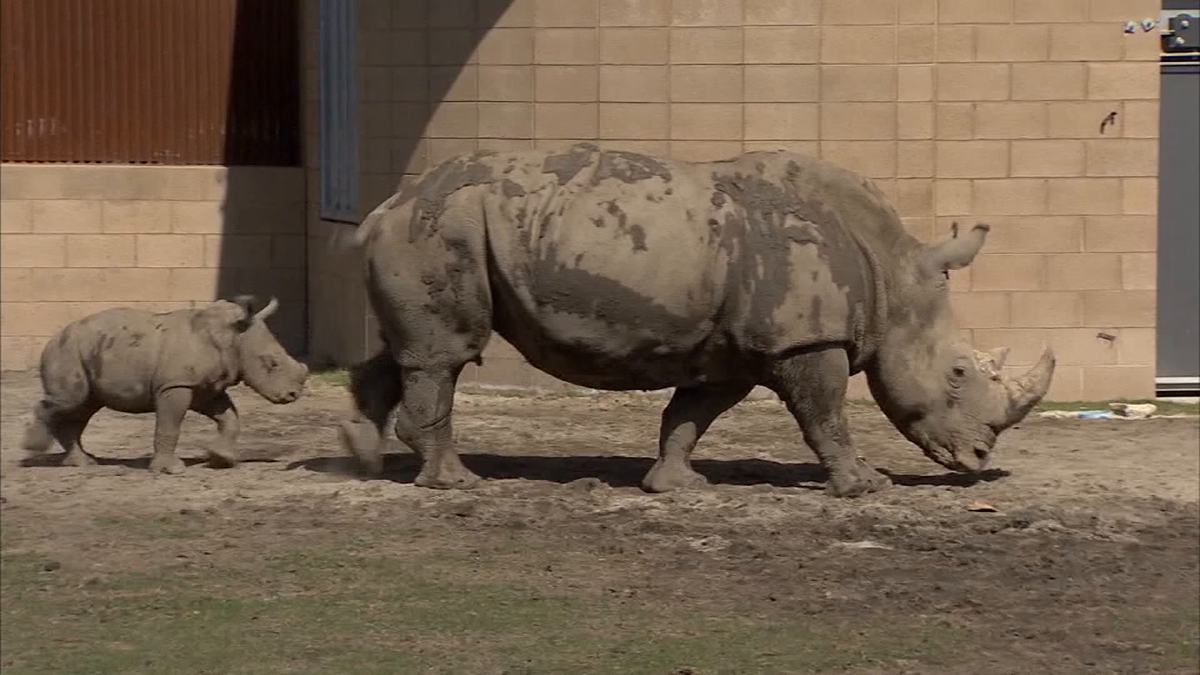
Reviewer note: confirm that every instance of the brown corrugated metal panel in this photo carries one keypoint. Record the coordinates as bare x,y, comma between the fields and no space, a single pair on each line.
150,81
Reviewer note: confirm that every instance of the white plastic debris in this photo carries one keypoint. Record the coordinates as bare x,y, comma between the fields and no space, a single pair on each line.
1116,411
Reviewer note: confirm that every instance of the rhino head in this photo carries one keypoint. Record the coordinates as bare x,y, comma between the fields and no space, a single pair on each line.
263,363
949,399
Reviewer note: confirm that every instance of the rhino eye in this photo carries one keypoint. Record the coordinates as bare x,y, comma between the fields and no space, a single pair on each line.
960,371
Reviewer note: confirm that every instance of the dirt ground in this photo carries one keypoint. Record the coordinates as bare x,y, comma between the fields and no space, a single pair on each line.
559,563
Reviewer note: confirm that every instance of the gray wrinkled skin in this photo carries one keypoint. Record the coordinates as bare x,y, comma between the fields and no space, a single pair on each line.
133,361
619,271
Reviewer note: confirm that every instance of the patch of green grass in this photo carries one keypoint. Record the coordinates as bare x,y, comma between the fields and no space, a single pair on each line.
334,376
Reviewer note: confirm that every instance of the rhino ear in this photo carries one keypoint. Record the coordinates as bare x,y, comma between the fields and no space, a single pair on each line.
249,304
954,252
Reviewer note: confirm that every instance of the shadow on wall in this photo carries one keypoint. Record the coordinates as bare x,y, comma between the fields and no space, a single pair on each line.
410,54
261,247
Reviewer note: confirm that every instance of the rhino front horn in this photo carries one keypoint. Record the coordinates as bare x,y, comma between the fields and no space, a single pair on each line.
264,313
955,252
1027,390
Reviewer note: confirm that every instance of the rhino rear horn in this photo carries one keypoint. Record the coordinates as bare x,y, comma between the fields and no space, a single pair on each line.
955,252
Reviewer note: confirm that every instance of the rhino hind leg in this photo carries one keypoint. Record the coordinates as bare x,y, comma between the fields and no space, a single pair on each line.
813,386
424,423
689,414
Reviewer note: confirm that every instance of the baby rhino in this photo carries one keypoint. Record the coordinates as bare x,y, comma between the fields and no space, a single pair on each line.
135,361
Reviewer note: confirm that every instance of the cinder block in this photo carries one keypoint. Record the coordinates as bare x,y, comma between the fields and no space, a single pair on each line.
1139,196
1122,157
15,216
566,120
916,44
506,144
1047,310
1121,233
773,12
1139,271
646,121
565,13
1087,42
1137,346
1140,119
981,310
198,284
1009,197
1119,309
33,319
1008,272
1010,120
454,83
873,159
634,46
567,84
858,83
976,11
409,120
1081,119
914,159
1067,384
955,43
782,44
972,159
1122,10
1012,43
506,46
447,47
635,13
1103,383
915,83
505,83
706,84
858,121
195,217
287,251
1025,344
1118,81
706,45
914,197
168,250
505,120
952,197
955,121
101,250
973,81
706,121
916,11
1083,271
770,121
634,84
914,121
20,353
454,119
921,227
66,216
1034,234
565,46
858,44
17,284
704,12
1047,158
126,284
240,252
781,83
1059,11
1142,47
1084,196
654,148
1049,81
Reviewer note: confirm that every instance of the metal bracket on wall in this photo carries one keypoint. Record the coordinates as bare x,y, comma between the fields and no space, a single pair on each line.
1180,29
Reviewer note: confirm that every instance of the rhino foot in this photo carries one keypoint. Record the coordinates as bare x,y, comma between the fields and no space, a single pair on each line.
78,457
169,464
864,479
370,460
668,476
461,478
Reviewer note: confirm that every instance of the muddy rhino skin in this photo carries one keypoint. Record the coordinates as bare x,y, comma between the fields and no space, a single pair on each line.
617,270
135,361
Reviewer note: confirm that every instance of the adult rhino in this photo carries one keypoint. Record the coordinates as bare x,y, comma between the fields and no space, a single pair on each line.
617,270
135,361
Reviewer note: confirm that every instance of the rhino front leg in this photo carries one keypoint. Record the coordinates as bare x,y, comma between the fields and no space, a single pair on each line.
220,409
375,387
689,414
424,423
813,386
170,408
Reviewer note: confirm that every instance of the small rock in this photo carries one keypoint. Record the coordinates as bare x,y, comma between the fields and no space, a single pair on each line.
982,507
51,565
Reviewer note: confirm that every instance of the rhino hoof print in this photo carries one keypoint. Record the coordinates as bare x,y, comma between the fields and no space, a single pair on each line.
169,465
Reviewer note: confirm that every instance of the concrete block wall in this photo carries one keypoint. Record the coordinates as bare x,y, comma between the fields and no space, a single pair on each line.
77,239
967,110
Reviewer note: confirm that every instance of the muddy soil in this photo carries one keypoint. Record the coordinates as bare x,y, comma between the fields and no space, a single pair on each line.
1089,562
